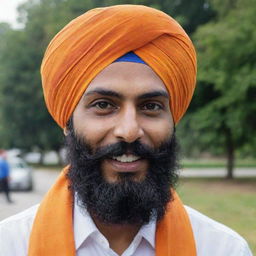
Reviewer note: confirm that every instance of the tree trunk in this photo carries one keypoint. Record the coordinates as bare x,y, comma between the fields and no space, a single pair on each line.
230,154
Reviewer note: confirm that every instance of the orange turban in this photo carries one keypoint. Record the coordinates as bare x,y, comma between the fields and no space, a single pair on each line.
95,39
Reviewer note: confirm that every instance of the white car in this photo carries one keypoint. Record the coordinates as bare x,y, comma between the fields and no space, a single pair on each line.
21,177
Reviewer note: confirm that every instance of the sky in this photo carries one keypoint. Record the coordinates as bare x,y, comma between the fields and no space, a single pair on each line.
8,12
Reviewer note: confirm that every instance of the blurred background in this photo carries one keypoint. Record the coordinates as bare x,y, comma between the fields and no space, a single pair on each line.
217,135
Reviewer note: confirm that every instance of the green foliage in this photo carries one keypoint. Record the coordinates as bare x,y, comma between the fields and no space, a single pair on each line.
189,13
25,119
224,106
227,59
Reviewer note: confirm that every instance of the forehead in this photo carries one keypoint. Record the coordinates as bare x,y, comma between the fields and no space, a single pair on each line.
127,78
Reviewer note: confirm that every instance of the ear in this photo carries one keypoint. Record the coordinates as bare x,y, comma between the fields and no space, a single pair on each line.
65,131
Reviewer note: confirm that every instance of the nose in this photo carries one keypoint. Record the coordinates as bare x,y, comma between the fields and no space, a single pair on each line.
128,128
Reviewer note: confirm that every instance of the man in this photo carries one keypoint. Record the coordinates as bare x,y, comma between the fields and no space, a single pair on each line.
4,175
117,80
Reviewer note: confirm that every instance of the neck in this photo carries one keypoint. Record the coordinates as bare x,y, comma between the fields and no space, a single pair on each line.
119,236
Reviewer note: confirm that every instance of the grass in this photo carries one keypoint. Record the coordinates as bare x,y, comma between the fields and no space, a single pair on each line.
232,203
217,163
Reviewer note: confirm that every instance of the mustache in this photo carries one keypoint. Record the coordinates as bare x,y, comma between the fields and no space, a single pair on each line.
136,148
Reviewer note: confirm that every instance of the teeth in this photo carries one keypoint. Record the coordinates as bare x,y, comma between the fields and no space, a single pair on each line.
126,158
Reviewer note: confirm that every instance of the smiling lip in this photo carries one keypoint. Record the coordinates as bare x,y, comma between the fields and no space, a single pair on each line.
134,166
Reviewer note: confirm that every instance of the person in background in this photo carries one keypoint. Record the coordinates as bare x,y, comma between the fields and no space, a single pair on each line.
4,175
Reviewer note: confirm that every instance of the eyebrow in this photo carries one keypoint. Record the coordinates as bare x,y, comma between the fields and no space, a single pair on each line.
104,92
158,93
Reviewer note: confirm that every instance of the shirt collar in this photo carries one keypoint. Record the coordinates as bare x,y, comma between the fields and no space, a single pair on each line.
148,232
83,219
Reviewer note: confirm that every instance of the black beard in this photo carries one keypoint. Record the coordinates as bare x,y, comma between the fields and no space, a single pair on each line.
125,201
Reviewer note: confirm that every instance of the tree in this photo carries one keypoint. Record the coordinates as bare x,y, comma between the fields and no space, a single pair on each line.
189,13
25,122
25,119
224,109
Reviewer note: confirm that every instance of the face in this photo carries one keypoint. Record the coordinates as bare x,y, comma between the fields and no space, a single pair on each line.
126,102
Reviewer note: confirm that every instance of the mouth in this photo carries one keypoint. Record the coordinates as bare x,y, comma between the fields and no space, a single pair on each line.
127,163
126,158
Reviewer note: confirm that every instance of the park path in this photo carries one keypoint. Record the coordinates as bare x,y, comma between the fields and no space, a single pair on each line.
45,178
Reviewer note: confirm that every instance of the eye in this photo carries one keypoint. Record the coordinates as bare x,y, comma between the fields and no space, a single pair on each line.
103,105
151,106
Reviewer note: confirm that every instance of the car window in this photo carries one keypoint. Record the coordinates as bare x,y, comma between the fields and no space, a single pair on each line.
17,164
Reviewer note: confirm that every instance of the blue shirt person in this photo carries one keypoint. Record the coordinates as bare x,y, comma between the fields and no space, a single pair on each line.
4,175
4,168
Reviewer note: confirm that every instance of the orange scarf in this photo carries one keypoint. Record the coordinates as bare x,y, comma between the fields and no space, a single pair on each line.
52,231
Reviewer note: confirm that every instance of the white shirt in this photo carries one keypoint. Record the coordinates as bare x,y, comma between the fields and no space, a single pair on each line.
211,237
89,240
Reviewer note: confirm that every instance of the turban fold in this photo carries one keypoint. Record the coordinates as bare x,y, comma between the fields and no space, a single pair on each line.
97,38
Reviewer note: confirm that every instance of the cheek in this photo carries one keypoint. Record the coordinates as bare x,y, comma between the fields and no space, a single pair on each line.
92,129
93,132
159,131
